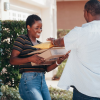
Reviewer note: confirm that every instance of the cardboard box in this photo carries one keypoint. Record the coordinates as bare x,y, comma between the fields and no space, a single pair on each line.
50,55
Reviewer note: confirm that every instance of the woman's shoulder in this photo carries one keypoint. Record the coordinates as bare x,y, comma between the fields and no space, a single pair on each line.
23,36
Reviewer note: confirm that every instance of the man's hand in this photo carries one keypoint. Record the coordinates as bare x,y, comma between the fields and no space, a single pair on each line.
52,40
57,42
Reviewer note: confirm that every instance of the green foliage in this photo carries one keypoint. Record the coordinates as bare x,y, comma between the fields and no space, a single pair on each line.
57,94
60,70
0,44
10,31
61,33
10,93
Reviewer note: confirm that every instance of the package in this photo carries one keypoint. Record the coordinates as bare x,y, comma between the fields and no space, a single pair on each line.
50,55
45,45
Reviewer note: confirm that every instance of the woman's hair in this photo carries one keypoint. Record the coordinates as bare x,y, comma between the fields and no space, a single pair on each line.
31,19
93,7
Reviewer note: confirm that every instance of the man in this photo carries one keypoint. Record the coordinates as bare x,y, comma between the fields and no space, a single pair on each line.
82,70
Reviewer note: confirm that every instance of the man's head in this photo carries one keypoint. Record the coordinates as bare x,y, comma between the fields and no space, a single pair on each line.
92,10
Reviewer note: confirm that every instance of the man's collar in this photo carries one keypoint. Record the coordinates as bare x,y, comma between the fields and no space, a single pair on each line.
92,22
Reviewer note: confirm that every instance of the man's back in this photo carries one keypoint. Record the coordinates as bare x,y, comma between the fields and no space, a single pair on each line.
88,50
82,69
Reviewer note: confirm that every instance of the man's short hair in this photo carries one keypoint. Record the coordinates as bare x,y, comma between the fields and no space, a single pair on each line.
93,7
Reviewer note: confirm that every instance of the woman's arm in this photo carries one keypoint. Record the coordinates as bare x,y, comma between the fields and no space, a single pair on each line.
15,60
59,61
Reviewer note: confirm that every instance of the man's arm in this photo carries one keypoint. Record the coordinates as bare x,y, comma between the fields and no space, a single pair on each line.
57,42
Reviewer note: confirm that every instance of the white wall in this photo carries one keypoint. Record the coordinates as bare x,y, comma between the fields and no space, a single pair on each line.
3,14
39,3
49,21
20,10
0,9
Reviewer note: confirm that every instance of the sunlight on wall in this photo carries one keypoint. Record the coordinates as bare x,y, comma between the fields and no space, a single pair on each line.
43,2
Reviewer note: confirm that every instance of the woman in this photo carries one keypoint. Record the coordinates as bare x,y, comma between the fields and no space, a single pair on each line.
32,85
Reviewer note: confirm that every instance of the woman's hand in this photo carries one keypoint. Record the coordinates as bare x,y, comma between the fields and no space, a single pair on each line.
61,59
15,60
36,59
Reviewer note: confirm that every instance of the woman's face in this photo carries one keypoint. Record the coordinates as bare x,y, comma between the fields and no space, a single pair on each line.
36,29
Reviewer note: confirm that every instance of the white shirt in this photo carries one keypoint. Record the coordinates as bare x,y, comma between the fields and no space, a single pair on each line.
82,69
